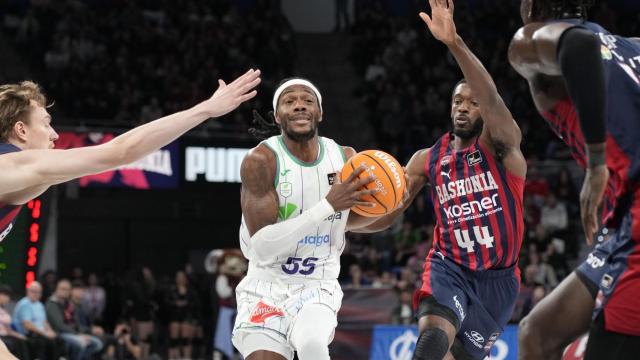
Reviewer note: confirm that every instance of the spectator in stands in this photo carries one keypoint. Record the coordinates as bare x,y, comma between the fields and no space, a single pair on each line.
77,274
356,278
125,346
566,192
408,279
94,298
555,256
553,215
347,259
537,186
30,319
542,272
531,212
371,264
141,305
81,316
151,45
386,281
60,314
183,312
16,342
49,280
403,313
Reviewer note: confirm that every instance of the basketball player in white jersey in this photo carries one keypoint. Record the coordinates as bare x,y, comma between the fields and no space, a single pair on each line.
295,212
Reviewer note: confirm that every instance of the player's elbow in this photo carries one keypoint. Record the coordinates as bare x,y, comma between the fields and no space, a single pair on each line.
262,250
517,48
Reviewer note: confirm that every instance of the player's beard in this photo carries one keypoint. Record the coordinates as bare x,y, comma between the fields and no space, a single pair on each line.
475,130
301,136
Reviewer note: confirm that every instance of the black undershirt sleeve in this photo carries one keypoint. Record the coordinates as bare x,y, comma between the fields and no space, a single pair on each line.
583,72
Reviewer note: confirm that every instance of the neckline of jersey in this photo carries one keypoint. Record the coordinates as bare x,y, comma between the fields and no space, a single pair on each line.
298,161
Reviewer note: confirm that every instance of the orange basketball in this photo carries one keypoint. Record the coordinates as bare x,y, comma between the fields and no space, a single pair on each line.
390,181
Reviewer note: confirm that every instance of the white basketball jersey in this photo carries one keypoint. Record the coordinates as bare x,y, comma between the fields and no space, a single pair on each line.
299,187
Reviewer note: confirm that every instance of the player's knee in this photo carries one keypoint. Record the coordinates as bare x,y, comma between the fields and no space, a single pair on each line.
312,348
432,344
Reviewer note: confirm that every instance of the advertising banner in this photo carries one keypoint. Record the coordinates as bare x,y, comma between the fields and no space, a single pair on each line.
158,170
398,343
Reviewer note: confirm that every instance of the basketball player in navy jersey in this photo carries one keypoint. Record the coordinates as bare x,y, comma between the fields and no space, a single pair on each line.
476,172
29,164
585,82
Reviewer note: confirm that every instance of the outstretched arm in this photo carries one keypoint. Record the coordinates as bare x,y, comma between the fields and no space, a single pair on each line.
498,122
26,169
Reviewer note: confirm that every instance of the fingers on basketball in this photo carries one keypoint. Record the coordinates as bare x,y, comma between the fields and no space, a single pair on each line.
382,175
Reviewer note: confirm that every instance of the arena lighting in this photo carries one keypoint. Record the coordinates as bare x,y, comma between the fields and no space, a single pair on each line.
33,241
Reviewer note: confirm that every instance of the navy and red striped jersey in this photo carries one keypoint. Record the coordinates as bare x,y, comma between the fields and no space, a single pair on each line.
478,206
621,57
8,213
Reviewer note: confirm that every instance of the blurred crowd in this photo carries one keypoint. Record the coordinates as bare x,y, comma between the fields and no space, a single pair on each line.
407,76
138,316
130,62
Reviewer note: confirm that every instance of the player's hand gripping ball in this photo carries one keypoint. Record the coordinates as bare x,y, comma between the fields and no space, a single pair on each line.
390,181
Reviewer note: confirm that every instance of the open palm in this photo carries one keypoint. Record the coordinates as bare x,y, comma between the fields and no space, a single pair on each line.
229,96
441,22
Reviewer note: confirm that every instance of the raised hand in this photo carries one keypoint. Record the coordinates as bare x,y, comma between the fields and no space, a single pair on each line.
230,96
441,22
344,195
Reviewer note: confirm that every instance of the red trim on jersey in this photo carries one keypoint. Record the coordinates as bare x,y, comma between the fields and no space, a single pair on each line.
436,235
618,163
506,209
516,185
497,235
438,230
483,249
452,175
635,216
563,118
493,221
4,222
620,311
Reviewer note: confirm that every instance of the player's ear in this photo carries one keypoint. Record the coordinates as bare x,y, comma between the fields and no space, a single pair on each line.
276,118
20,130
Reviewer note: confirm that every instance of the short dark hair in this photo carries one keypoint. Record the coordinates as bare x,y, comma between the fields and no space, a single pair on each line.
461,81
5,289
